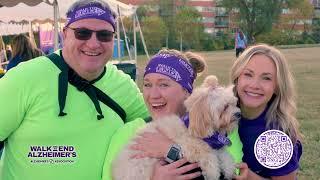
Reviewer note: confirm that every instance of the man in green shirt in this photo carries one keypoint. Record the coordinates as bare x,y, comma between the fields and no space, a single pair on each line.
58,113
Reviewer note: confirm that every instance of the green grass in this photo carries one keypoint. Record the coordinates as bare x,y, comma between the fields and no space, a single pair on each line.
305,64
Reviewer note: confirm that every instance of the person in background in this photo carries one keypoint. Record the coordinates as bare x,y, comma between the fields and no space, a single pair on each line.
60,111
264,86
240,42
23,50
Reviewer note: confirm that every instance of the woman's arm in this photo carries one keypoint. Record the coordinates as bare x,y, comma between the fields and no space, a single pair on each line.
157,145
254,176
175,170
291,176
246,173
150,144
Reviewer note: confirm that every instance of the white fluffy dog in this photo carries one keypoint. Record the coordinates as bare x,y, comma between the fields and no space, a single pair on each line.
211,109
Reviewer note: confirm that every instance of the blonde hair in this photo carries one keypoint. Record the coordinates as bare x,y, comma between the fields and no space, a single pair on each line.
282,109
197,62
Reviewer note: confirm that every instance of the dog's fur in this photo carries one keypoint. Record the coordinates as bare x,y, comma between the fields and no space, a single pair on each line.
211,108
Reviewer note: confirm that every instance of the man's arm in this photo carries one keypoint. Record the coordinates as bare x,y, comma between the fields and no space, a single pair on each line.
12,105
127,94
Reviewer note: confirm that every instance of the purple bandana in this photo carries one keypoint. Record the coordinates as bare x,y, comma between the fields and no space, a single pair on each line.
215,141
94,11
174,67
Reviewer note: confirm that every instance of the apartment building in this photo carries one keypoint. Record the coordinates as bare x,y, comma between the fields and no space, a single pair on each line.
214,17
316,4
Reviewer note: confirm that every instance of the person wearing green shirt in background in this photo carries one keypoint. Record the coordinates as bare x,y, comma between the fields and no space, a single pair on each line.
164,95
58,113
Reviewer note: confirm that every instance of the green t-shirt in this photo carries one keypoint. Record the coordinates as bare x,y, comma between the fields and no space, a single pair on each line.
42,145
128,131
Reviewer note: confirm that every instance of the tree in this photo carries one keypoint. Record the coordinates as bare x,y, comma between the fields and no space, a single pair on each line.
316,30
188,27
256,16
299,13
142,11
167,12
154,31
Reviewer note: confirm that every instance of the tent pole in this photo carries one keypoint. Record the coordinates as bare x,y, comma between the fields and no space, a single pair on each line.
142,38
118,35
125,36
134,37
31,36
56,31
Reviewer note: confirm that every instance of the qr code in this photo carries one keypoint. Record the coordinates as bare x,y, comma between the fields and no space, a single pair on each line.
273,149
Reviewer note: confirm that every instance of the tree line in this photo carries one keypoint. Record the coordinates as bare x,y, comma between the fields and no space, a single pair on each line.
274,21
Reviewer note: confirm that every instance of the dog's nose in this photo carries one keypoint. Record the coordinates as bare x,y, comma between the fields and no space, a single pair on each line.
237,115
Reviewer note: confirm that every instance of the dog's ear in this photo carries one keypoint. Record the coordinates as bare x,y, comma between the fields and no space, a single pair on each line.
230,88
210,82
200,118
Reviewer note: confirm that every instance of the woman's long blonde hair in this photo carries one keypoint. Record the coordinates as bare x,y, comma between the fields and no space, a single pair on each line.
282,111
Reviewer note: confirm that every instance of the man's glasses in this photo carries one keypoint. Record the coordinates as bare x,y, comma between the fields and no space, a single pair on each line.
85,34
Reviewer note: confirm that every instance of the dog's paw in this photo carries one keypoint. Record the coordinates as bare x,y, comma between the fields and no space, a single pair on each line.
227,164
210,166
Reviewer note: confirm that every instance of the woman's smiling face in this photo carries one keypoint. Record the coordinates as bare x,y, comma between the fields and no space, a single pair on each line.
163,96
256,85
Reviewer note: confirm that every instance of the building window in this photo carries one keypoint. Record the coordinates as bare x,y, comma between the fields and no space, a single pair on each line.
220,11
285,11
207,9
208,19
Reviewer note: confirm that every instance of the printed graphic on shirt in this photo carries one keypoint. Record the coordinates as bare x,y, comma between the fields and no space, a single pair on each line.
57,154
273,149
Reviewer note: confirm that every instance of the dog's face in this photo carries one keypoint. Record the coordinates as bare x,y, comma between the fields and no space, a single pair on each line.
212,108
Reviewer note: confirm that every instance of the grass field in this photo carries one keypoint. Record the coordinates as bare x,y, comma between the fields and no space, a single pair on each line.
305,64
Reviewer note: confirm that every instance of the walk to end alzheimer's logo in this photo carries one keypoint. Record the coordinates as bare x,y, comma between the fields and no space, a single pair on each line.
57,154
273,149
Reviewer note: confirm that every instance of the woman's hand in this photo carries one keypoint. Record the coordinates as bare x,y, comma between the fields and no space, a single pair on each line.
151,144
244,171
174,171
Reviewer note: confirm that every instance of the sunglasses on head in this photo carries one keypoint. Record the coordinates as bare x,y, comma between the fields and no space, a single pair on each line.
85,34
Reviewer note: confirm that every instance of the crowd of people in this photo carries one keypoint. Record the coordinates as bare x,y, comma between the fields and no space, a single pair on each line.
64,113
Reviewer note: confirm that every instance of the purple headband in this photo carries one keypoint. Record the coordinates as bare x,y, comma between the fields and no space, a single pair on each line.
95,11
174,67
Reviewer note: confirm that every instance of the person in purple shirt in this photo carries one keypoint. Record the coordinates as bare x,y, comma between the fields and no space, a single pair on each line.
265,88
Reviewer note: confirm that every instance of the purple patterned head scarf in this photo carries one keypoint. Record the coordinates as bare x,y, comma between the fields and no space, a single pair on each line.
173,67
92,10
215,141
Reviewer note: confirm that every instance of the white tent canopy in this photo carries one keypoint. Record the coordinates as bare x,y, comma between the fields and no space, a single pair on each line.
42,9
13,28
31,10
10,3
22,12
